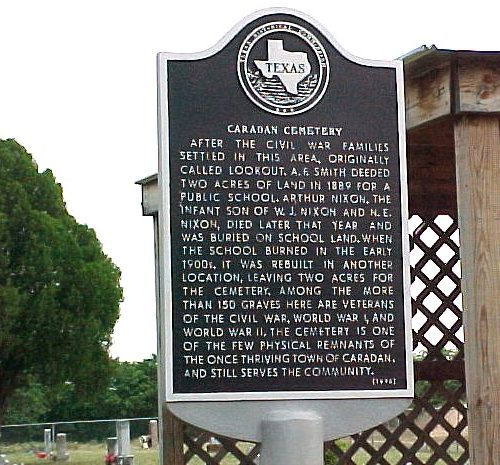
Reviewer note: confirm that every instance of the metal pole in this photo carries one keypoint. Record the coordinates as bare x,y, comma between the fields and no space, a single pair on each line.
292,438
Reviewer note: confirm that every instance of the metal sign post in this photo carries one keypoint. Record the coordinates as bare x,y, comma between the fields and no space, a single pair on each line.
292,438
283,237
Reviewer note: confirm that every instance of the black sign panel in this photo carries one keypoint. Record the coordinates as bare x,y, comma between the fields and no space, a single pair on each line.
284,211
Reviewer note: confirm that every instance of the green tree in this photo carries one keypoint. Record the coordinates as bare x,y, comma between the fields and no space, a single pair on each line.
131,392
28,404
59,293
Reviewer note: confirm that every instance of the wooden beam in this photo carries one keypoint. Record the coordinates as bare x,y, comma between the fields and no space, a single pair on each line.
428,95
439,370
477,140
150,195
431,169
479,84
443,83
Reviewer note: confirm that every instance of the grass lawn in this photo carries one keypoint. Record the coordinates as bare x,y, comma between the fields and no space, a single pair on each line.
91,453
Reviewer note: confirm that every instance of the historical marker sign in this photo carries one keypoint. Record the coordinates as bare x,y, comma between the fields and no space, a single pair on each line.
284,219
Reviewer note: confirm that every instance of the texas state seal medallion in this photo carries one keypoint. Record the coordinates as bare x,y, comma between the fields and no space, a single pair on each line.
283,68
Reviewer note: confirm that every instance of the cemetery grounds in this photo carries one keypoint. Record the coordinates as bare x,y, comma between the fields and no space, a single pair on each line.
93,452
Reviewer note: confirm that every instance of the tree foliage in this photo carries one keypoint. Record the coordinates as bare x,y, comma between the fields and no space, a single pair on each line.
131,392
59,293
28,404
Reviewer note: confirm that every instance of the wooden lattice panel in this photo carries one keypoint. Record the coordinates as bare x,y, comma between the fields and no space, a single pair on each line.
433,431
436,293
203,447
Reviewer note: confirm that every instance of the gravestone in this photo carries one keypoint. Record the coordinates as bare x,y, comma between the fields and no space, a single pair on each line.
112,446
153,433
123,440
283,235
61,454
47,440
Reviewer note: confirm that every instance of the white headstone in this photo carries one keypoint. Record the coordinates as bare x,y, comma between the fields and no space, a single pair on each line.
61,453
47,439
123,435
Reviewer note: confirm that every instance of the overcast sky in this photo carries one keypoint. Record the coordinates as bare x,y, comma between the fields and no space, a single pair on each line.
78,90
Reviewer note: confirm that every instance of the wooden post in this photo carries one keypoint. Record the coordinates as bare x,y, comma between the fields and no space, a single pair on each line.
477,146
173,439
171,429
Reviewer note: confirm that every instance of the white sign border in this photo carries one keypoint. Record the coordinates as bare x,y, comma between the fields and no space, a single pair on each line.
166,304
